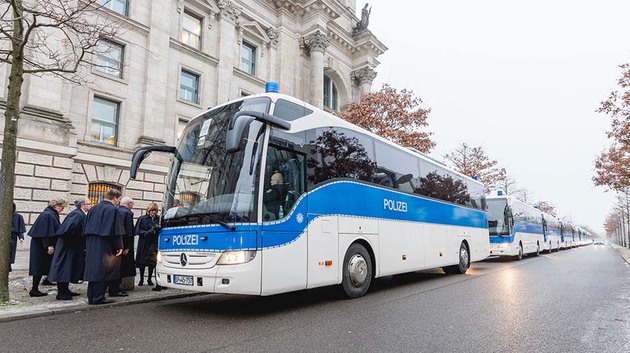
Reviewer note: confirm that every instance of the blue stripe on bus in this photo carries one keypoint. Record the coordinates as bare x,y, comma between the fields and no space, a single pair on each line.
343,198
521,227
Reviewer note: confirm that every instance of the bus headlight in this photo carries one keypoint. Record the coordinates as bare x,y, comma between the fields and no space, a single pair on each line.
236,257
159,257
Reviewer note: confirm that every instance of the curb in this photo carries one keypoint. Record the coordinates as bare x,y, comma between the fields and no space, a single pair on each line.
87,307
620,251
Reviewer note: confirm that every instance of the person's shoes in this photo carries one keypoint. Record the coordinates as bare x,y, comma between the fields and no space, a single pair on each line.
46,282
119,294
37,293
74,294
149,282
64,297
157,288
104,301
141,283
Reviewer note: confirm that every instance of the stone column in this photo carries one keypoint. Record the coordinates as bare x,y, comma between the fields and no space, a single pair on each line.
272,46
228,49
156,89
364,77
317,43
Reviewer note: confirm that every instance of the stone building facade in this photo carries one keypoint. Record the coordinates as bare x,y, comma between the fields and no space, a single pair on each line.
175,59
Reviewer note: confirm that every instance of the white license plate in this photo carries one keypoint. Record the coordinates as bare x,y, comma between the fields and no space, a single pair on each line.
184,280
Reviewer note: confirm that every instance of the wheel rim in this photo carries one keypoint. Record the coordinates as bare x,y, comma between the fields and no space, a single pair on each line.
357,270
463,257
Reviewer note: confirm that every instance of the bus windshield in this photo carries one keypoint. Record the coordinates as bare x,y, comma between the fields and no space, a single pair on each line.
498,217
208,185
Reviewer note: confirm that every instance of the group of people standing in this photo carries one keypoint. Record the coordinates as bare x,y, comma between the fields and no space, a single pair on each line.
94,244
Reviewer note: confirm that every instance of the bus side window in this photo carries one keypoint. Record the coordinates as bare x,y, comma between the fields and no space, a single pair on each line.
289,168
293,170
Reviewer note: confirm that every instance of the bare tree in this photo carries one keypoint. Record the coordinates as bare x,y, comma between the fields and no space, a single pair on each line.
41,37
393,114
473,161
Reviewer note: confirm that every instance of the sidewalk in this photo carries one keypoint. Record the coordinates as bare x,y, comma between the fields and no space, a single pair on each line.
22,306
623,252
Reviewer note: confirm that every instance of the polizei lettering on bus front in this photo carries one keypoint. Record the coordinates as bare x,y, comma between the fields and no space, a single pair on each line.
188,239
392,205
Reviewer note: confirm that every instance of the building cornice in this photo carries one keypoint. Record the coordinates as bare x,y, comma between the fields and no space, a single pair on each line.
301,8
367,42
181,47
252,79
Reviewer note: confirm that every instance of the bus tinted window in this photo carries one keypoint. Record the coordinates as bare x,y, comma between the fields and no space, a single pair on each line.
338,153
290,111
395,168
438,183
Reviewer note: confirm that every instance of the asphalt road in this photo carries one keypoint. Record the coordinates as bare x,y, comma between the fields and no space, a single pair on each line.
573,301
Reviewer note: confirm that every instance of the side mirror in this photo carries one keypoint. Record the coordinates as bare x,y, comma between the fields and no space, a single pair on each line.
404,179
241,120
142,153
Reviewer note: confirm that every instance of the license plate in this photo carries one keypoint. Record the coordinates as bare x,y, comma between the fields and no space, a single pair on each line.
184,280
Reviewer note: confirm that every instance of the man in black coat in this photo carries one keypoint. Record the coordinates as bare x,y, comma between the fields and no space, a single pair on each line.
69,258
43,241
103,246
127,263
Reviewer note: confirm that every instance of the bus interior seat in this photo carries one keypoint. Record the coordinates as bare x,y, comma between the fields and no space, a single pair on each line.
268,216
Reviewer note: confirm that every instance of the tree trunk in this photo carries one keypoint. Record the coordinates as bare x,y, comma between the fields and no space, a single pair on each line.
9,142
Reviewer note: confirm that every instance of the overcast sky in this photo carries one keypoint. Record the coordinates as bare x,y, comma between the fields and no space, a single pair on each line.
520,78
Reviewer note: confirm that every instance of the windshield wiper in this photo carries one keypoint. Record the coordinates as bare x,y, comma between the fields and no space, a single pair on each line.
200,218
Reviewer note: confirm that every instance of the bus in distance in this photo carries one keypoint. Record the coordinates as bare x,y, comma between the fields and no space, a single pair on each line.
267,194
516,228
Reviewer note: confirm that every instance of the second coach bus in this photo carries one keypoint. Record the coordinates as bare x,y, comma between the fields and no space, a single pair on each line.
268,194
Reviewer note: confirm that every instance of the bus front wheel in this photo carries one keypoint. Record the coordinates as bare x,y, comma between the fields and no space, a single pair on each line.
462,265
357,271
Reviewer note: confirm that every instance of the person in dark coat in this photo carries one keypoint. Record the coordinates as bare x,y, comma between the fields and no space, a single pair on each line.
17,232
69,258
103,246
274,197
43,241
127,263
147,229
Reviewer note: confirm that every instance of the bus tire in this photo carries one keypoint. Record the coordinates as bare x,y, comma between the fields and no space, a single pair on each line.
357,271
520,251
463,263
537,249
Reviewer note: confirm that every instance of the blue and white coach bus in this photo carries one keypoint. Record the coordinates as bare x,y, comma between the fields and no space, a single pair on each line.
274,195
554,238
516,228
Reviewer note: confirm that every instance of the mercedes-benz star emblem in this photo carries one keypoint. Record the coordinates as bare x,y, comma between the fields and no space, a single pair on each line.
183,259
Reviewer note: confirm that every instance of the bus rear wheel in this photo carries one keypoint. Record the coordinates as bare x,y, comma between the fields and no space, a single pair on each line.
462,265
520,252
357,271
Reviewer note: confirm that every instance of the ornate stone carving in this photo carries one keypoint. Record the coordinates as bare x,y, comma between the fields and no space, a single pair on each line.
316,41
229,9
363,75
362,25
273,35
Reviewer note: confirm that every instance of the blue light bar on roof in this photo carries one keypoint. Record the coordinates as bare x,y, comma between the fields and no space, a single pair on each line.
271,87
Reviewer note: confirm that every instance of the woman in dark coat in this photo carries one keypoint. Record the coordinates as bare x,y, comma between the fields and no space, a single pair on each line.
69,258
43,241
17,232
147,229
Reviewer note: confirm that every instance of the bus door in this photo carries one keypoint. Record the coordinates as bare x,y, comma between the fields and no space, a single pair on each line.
284,221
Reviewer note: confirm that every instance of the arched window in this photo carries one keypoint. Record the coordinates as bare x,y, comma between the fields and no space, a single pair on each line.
96,191
330,94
